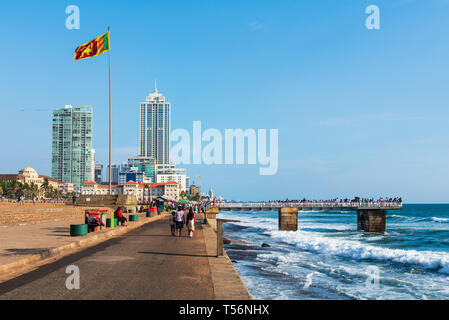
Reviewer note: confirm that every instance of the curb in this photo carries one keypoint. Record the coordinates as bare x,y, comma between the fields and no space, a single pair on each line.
16,268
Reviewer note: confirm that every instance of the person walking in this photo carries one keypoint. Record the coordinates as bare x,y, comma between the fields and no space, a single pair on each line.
172,222
179,219
190,222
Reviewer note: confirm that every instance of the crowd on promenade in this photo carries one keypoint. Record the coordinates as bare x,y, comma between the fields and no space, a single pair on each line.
184,215
354,202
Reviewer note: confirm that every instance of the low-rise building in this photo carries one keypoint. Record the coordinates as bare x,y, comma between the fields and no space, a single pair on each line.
144,192
93,188
66,187
30,176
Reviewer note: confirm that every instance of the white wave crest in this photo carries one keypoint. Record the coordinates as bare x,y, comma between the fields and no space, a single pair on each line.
440,220
313,242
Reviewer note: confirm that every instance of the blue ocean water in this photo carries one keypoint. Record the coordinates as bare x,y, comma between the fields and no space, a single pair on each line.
327,258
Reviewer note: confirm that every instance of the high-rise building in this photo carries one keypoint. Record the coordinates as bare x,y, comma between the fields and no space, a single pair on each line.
98,173
72,145
145,165
124,167
115,173
132,174
155,115
92,175
168,172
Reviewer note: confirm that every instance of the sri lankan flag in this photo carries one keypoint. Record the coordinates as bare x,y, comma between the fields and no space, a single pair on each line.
93,48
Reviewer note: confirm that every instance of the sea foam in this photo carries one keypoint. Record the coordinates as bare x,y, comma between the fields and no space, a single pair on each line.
319,243
440,220
438,261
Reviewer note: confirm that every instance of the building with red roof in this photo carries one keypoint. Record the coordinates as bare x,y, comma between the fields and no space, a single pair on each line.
145,192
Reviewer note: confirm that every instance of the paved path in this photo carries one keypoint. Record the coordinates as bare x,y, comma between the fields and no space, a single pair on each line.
146,263
21,241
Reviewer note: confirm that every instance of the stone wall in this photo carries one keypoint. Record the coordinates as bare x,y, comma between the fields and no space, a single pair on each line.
15,215
122,200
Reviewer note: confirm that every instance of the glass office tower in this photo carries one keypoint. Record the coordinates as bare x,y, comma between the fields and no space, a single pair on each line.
72,145
145,165
98,173
115,173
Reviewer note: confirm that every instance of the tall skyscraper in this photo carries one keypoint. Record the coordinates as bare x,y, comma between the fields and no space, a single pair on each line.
124,167
72,145
92,177
155,123
115,173
98,173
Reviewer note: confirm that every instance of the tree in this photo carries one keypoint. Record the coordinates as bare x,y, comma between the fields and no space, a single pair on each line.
183,194
45,187
70,195
34,190
50,192
21,188
14,188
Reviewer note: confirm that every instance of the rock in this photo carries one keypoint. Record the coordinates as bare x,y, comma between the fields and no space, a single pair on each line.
226,241
233,261
265,245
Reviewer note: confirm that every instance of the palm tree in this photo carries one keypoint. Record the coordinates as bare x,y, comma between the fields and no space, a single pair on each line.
14,188
20,190
45,187
34,190
26,189
50,192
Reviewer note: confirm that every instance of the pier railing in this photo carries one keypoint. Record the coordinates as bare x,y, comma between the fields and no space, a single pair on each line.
353,205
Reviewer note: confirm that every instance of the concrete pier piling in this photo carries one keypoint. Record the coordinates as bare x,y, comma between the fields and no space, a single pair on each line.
288,219
211,216
372,220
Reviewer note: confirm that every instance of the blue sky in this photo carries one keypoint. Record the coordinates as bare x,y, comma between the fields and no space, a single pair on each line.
359,112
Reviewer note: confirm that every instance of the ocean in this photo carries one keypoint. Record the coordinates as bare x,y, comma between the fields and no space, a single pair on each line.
327,258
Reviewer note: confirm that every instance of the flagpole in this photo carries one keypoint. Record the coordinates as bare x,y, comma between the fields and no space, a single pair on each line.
110,118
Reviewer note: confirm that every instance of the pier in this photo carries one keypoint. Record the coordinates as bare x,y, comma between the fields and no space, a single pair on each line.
371,215
310,206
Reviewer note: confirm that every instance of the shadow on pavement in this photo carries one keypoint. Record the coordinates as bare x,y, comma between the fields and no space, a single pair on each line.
178,254
26,251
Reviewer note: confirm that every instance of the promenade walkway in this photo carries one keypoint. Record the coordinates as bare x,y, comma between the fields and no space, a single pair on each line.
25,242
145,263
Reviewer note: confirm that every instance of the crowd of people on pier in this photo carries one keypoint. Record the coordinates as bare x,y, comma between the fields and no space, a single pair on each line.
354,202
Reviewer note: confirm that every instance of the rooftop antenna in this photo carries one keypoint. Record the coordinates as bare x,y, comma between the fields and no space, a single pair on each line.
155,86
